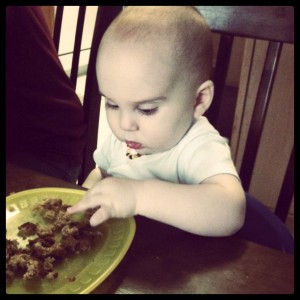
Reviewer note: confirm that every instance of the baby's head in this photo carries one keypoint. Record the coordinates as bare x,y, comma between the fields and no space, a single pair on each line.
178,31
152,58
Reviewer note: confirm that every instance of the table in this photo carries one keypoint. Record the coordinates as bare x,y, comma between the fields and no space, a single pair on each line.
166,260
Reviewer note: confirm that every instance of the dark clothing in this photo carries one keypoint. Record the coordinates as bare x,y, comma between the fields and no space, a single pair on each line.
263,227
44,116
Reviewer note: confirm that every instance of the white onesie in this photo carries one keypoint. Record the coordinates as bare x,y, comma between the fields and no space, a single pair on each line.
201,153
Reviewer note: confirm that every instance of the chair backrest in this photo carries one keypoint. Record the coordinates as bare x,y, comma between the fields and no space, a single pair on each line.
271,23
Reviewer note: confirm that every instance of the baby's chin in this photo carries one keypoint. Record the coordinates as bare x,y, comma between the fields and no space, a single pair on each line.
153,149
150,151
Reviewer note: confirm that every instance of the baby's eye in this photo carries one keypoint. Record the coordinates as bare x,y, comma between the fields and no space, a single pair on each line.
110,105
148,112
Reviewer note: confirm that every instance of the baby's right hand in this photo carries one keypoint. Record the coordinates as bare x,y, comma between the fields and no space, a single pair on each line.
115,197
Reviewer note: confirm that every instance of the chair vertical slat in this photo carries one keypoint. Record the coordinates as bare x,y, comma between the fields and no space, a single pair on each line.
91,101
77,44
220,74
57,26
286,192
259,112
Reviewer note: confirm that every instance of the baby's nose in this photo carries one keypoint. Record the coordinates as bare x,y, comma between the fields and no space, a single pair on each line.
128,122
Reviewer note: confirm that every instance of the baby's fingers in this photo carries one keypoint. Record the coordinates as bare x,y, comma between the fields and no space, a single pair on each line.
82,205
99,216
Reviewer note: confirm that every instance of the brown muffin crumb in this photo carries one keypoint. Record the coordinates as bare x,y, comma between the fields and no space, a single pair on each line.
56,240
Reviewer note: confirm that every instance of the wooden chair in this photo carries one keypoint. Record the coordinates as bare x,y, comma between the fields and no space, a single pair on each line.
274,24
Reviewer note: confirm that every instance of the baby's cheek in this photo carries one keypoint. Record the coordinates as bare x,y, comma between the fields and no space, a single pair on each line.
164,140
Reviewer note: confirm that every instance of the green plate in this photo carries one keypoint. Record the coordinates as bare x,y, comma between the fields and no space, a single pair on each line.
90,268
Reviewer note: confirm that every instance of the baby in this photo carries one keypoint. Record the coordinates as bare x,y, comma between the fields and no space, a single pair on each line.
163,160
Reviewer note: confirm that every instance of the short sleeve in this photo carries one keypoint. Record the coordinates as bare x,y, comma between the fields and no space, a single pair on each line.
198,161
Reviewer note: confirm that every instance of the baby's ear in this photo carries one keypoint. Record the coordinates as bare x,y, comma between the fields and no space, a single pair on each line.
205,94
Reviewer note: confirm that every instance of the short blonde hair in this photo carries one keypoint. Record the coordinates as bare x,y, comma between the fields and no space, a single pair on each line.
182,27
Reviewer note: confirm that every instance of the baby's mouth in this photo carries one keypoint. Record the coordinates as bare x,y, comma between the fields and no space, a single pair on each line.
134,145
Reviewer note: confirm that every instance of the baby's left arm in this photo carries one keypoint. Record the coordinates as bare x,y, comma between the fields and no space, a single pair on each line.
215,207
94,176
